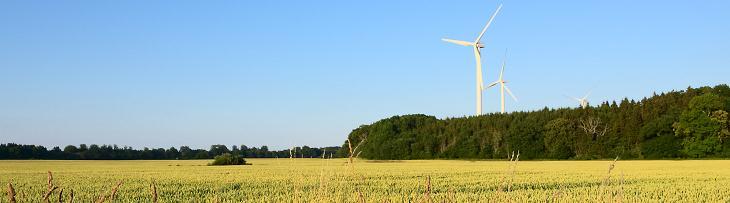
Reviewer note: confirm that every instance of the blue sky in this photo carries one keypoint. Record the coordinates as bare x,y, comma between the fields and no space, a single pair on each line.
277,73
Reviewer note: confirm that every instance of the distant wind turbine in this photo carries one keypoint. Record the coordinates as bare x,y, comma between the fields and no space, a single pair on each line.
476,45
583,101
502,84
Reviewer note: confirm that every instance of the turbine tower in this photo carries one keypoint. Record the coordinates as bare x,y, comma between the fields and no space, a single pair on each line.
502,84
476,45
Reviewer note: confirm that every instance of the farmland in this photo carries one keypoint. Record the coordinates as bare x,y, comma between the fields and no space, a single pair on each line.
333,180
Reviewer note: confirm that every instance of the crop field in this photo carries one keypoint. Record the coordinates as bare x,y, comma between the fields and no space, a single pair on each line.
334,180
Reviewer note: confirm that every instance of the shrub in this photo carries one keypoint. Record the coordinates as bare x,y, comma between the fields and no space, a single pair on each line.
228,159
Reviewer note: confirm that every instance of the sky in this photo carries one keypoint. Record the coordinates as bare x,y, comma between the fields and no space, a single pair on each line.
282,73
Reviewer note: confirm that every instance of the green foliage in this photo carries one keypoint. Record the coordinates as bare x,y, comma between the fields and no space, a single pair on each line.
658,140
627,128
658,127
721,118
559,137
228,159
664,146
703,126
706,103
113,152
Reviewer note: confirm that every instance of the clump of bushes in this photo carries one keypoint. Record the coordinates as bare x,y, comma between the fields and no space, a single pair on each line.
228,159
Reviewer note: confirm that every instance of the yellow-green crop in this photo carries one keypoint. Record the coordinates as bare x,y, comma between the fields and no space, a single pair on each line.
321,180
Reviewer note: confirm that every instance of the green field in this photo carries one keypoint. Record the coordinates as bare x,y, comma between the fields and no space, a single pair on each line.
321,180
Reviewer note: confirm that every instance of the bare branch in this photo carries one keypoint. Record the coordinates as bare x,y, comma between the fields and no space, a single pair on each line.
593,126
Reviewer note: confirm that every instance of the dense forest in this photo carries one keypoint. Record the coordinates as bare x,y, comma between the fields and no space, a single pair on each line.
692,123
113,152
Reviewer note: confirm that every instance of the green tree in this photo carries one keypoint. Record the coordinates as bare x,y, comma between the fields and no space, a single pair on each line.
658,140
218,149
701,127
228,159
559,138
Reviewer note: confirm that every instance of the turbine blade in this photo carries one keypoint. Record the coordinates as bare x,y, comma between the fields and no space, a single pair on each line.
589,93
576,99
493,84
510,93
488,23
501,73
459,42
504,63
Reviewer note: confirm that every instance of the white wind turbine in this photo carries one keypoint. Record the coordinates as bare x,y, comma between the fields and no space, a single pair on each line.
502,84
476,45
583,101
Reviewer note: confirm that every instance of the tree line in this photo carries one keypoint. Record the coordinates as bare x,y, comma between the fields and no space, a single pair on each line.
114,152
691,123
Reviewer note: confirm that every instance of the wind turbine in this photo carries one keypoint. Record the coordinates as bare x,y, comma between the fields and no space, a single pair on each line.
583,101
502,84
476,45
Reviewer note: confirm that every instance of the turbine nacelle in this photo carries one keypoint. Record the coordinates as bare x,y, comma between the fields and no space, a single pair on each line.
584,103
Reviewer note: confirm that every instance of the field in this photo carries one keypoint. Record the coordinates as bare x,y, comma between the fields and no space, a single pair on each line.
333,180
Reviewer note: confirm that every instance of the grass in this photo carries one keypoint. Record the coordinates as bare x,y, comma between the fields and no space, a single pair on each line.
317,180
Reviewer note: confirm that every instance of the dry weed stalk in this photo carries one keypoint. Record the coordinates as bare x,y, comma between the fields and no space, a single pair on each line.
510,173
153,189
608,175
294,181
513,172
49,192
50,187
621,190
427,193
451,195
351,163
360,197
607,181
11,193
71,196
50,180
354,153
112,194
60,196
114,191
349,145
323,179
